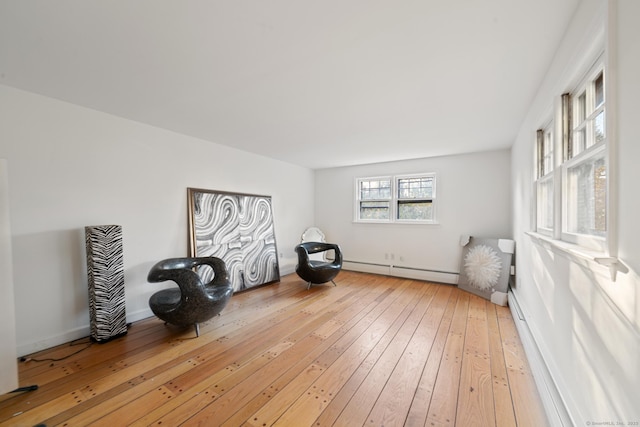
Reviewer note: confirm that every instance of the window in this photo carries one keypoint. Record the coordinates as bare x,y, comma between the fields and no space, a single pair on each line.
584,171
406,198
544,180
374,199
580,174
415,198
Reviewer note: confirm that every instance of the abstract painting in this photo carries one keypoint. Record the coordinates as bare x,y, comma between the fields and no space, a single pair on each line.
237,228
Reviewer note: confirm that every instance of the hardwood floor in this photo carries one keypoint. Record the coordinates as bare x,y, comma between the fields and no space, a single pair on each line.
375,351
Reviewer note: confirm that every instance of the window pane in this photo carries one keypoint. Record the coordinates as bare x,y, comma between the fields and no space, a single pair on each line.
419,210
598,127
599,90
581,112
579,141
375,189
374,210
545,204
415,188
586,203
547,159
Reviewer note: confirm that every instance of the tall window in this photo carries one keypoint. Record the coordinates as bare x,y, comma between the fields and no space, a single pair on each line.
406,198
544,179
580,174
584,167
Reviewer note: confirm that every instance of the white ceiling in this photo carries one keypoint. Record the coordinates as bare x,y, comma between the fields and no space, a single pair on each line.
315,83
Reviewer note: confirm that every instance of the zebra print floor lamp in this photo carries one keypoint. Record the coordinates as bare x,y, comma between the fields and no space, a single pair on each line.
105,272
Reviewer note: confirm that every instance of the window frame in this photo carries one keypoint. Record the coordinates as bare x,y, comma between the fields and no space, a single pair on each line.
545,175
567,156
589,151
395,200
359,199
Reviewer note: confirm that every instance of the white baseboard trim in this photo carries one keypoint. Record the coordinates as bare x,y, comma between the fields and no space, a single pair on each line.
554,406
139,315
402,271
363,267
35,346
72,335
423,274
287,267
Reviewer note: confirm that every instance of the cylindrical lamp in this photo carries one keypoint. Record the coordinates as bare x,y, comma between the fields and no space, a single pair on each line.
105,270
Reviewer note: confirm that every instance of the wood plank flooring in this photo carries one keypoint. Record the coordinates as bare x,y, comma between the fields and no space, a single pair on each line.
374,351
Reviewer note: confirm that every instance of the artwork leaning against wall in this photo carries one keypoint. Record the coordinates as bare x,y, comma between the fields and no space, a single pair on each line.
237,228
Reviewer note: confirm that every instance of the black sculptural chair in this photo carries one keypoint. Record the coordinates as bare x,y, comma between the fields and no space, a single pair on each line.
193,302
314,271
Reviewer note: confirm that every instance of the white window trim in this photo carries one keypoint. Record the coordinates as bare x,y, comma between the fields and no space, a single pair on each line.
606,257
539,181
549,176
561,166
396,198
393,211
357,200
589,242
578,254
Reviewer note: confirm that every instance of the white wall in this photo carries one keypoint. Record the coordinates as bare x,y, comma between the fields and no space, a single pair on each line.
70,167
8,366
472,195
586,326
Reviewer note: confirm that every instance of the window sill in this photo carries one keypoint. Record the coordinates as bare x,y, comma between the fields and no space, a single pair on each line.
578,253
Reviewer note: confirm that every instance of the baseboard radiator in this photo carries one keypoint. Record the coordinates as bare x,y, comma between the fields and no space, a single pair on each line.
402,271
554,406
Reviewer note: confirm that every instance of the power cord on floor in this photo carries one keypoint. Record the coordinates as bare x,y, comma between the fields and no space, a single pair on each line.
71,344
49,359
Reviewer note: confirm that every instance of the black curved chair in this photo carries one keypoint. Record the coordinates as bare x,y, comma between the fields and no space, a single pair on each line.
316,272
192,302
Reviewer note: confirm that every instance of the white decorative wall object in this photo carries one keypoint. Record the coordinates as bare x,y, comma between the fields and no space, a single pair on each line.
485,267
